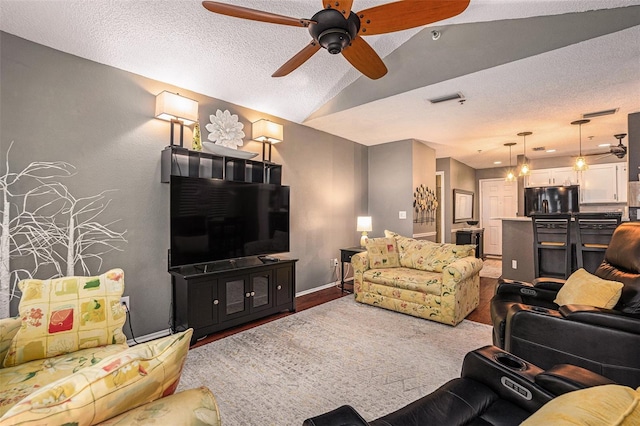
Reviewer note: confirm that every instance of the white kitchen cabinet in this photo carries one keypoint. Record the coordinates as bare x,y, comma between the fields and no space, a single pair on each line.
604,183
552,177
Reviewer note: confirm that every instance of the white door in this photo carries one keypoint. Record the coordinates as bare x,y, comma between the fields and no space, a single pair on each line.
498,199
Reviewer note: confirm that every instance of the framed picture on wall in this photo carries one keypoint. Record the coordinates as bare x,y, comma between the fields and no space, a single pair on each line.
462,205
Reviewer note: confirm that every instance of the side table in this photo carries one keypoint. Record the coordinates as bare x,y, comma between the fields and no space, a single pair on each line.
345,257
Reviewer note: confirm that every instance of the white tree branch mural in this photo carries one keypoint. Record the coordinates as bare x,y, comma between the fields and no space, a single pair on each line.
48,228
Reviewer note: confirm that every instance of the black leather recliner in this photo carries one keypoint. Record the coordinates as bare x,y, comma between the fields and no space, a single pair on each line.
495,388
528,324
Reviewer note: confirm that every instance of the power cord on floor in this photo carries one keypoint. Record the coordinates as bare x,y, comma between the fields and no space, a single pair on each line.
126,308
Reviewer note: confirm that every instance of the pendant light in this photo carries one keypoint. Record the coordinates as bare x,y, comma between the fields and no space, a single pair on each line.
510,175
525,169
581,162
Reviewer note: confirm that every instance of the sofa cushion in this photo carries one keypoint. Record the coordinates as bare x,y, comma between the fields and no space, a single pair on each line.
382,253
410,279
120,382
16,383
427,255
599,405
188,408
63,315
583,288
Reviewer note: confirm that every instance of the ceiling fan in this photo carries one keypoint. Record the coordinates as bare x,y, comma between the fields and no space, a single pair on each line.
339,30
619,150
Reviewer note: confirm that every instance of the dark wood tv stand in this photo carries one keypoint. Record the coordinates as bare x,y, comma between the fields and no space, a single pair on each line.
218,295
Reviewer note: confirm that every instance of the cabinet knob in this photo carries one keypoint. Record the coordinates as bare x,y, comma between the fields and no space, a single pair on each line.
215,302
253,293
279,287
247,295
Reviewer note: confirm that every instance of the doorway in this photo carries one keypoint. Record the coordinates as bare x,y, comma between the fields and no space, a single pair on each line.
440,208
498,199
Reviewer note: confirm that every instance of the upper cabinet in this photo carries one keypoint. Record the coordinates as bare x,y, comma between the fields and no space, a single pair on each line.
552,177
604,183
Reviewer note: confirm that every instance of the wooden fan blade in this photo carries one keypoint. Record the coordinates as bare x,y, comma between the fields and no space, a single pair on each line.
362,56
254,15
402,15
343,6
298,59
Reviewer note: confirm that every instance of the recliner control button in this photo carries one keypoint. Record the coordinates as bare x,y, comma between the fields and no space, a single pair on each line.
516,388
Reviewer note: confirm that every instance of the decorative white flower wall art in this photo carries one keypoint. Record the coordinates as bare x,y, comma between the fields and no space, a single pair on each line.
225,129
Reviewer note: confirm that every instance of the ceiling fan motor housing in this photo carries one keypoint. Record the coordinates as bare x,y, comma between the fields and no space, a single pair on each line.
332,31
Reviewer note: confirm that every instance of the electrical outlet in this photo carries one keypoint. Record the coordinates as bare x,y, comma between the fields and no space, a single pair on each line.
124,300
514,264
402,214
334,262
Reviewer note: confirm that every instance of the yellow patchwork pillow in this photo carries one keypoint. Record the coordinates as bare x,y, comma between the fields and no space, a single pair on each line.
63,315
612,405
190,407
118,383
583,288
382,253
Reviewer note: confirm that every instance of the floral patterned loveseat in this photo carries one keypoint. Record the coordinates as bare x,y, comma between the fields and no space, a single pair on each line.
439,282
65,360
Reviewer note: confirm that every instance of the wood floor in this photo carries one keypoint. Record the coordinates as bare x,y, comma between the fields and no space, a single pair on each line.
480,314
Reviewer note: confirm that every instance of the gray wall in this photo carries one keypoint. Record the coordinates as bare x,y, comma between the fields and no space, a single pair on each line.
56,106
424,166
457,175
390,187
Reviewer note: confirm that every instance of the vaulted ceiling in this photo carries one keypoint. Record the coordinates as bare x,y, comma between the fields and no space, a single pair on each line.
521,65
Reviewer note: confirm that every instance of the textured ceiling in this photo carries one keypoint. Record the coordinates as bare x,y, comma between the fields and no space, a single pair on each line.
531,65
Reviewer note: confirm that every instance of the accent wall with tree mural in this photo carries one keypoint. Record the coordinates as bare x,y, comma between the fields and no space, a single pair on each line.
46,231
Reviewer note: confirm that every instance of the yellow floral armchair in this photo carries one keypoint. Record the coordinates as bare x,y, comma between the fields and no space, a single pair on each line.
439,282
65,360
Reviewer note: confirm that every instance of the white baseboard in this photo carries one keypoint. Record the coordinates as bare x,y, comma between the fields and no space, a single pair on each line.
322,287
148,337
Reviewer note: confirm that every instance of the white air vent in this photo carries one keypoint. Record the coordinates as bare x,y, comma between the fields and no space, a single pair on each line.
600,113
453,97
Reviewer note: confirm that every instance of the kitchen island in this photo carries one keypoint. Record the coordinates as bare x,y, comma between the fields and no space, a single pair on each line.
517,249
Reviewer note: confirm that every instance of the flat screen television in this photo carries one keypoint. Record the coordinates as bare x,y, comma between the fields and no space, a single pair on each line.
214,220
552,199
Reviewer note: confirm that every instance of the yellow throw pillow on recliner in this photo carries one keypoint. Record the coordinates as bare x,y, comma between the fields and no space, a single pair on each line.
583,288
611,405
118,383
63,315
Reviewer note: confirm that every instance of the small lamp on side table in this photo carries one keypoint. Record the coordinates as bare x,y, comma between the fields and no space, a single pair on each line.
364,225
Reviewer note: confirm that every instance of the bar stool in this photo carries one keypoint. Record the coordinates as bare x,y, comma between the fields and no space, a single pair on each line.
551,237
593,236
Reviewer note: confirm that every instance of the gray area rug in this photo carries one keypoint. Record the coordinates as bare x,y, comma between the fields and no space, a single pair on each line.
341,352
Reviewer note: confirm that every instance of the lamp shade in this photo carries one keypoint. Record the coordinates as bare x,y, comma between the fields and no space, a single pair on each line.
171,106
364,224
267,131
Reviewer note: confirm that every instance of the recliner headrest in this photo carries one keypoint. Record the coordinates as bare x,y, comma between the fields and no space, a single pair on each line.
624,248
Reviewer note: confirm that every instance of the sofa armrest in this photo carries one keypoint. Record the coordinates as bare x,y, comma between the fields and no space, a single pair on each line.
528,292
564,378
360,262
601,317
8,329
462,269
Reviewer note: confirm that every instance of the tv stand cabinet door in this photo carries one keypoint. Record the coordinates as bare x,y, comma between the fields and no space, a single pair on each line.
285,286
261,291
203,303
